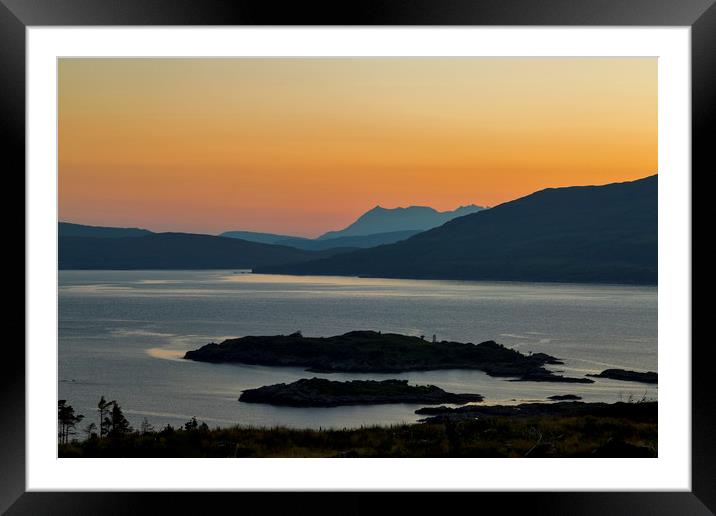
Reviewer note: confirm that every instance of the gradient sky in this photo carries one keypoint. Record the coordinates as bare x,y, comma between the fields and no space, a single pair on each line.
304,145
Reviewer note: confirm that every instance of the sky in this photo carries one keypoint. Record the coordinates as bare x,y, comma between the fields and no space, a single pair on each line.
302,146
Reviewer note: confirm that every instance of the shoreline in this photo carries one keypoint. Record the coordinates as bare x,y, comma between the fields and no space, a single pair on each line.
194,290
577,430
370,351
400,278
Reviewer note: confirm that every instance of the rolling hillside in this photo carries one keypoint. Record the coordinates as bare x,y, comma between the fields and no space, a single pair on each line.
576,234
175,251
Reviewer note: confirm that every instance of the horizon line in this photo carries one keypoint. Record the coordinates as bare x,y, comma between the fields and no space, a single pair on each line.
377,205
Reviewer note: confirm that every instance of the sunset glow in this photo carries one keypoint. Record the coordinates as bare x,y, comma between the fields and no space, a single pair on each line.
305,145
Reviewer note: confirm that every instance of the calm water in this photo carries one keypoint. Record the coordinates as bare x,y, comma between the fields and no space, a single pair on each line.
122,333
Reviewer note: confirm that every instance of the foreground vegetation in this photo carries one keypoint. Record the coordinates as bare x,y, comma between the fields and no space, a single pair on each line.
488,436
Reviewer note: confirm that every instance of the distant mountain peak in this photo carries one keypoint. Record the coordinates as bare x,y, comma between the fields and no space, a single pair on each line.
409,218
606,234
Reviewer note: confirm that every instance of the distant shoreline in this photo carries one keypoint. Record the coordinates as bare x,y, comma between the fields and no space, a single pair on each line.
407,278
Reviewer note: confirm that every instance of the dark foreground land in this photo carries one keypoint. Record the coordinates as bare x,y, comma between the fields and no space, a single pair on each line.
319,392
376,352
555,430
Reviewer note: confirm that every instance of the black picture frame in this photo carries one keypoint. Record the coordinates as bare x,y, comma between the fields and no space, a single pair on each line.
17,15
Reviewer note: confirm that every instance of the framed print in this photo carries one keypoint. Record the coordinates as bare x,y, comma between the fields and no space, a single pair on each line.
428,247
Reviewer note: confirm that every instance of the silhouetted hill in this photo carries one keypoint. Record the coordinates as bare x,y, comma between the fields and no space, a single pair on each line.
175,251
577,234
264,238
81,230
361,241
385,220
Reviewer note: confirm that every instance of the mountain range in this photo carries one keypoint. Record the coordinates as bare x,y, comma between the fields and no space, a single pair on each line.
576,234
99,247
377,226
384,220
604,234
359,241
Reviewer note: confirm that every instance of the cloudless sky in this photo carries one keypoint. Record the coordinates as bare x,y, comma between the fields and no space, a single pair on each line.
305,145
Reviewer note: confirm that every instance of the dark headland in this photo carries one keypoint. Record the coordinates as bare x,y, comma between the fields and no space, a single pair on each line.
629,376
319,392
375,352
639,411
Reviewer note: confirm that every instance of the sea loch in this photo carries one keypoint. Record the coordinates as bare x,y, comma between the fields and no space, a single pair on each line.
122,335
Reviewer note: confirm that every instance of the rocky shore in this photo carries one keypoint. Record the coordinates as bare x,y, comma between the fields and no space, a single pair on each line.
376,352
646,410
548,376
319,392
630,376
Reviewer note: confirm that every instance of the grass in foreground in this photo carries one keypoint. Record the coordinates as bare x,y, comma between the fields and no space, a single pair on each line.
538,436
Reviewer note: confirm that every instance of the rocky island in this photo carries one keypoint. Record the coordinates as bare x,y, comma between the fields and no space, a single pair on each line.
630,376
376,352
319,392
639,411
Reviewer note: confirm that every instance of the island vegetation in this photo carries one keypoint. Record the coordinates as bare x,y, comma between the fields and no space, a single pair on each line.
376,352
319,392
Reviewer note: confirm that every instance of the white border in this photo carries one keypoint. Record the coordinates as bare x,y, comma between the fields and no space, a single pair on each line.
670,471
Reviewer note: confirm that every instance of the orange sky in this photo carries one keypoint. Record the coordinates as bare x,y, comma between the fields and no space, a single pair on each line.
303,146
